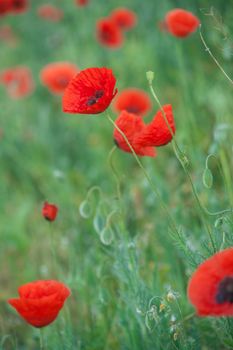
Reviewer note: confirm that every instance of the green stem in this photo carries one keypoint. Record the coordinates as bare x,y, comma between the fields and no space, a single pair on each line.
117,178
213,58
92,189
183,161
53,250
154,189
42,343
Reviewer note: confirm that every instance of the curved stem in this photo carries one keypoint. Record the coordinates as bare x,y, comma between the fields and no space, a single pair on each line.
117,178
154,189
183,161
109,218
92,189
213,58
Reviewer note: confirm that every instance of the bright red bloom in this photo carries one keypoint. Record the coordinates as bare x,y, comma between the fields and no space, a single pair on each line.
18,81
50,13
49,211
81,2
210,288
181,23
90,91
133,101
39,302
124,18
157,133
56,76
19,6
108,33
5,7
132,126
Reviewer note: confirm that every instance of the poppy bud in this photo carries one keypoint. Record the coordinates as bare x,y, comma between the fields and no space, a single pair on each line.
49,211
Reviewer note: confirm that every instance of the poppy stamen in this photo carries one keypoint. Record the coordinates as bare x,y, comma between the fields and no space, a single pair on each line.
133,109
94,99
91,101
225,291
99,94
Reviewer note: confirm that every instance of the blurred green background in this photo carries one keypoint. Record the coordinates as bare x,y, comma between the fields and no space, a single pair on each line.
118,286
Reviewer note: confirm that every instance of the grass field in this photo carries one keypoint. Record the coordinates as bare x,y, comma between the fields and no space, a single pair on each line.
124,246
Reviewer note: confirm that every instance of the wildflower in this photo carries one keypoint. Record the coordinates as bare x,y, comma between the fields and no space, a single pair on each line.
5,7
40,302
18,81
124,18
133,101
49,211
81,2
132,126
90,91
19,6
56,76
157,133
50,13
210,288
181,23
108,33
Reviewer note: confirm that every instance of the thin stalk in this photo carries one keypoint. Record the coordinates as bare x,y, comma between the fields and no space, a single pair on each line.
183,160
42,343
116,175
154,189
93,189
53,250
213,58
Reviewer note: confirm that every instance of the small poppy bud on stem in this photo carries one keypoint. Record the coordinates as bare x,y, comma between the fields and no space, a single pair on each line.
150,76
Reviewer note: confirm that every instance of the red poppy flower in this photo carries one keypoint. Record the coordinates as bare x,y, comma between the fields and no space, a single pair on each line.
181,23
90,91
50,13
132,126
56,76
81,2
19,6
49,211
18,81
5,7
157,133
108,33
39,302
124,18
133,101
210,288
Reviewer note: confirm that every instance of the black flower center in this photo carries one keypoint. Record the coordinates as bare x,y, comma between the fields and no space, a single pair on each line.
132,109
225,291
93,99
62,82
17,3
